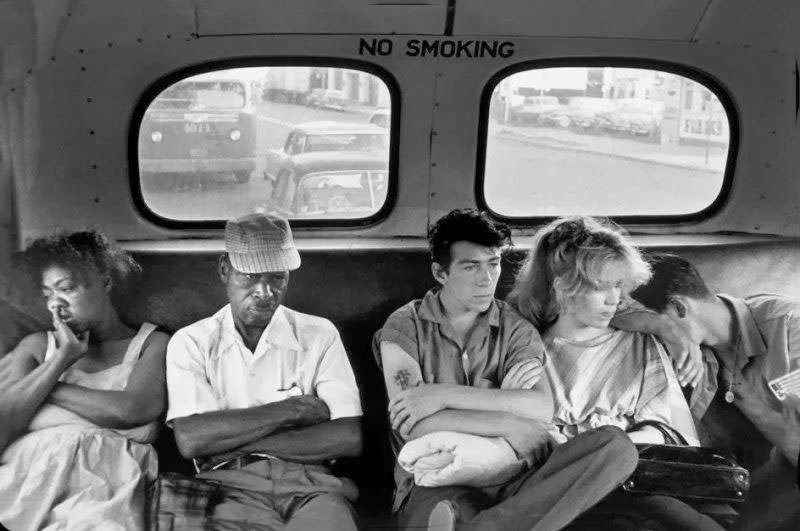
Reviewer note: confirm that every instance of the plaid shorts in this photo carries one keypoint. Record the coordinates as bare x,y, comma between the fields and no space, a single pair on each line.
184,502
220,503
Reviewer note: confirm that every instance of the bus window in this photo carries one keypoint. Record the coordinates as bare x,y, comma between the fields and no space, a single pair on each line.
215,145
607,141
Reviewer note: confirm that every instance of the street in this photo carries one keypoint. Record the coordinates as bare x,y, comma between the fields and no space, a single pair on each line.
523,179
544,175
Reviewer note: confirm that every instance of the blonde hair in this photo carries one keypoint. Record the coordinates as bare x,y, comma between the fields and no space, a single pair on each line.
574,250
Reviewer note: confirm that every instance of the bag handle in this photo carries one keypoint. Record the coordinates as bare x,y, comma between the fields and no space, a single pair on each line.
670,434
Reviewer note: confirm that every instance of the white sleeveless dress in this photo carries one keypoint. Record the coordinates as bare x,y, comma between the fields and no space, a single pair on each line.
69,474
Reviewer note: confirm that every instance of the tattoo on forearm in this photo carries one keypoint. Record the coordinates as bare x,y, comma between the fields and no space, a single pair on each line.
403,379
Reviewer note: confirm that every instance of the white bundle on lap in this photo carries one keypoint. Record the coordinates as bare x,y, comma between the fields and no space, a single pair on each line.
450,458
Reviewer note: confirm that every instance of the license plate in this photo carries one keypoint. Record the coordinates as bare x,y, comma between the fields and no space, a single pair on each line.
191,128
198,152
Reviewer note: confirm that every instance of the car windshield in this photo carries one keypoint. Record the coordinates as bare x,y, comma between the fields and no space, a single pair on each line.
195,95
347,142
347,193
345,179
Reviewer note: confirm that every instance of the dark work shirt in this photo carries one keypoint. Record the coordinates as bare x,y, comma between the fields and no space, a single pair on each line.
500,339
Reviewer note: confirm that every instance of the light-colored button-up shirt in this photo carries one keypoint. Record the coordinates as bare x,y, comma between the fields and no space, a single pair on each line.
209,368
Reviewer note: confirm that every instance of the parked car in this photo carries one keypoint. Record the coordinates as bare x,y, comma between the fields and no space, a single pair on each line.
533,109
636,117
579,112
381,118
327,99
331,184
326,136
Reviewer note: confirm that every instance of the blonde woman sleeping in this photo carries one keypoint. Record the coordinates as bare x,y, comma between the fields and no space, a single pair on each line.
571,286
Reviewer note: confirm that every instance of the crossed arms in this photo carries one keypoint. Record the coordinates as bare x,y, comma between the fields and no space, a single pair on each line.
517,412
27,381
298,428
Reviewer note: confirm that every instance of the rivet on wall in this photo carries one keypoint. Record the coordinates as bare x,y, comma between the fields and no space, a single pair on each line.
83,69
91,133
88,100
81,50
96,199
94,166
140,40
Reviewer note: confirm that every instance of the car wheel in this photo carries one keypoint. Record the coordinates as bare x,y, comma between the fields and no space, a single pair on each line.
242,176
564,121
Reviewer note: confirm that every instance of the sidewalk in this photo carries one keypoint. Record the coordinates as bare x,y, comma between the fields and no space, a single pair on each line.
361,108
692,157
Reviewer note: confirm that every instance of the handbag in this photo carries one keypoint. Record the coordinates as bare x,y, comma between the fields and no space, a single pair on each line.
690,473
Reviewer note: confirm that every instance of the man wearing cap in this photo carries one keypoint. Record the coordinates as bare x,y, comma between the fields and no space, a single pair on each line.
261,396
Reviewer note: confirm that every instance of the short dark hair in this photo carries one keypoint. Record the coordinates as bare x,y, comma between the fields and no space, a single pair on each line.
465,225
672,275
81,253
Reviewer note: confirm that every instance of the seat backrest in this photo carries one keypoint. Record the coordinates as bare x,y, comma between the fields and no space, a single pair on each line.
358,290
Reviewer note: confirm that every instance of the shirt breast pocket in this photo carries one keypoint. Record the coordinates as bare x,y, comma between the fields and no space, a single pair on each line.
277,395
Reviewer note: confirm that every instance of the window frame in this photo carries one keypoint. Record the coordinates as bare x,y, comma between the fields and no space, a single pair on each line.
159,85
706,80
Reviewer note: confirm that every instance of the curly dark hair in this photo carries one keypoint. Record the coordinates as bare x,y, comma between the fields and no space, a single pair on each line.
81,253
468,225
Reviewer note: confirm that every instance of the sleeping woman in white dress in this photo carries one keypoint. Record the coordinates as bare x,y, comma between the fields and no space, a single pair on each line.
80,404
